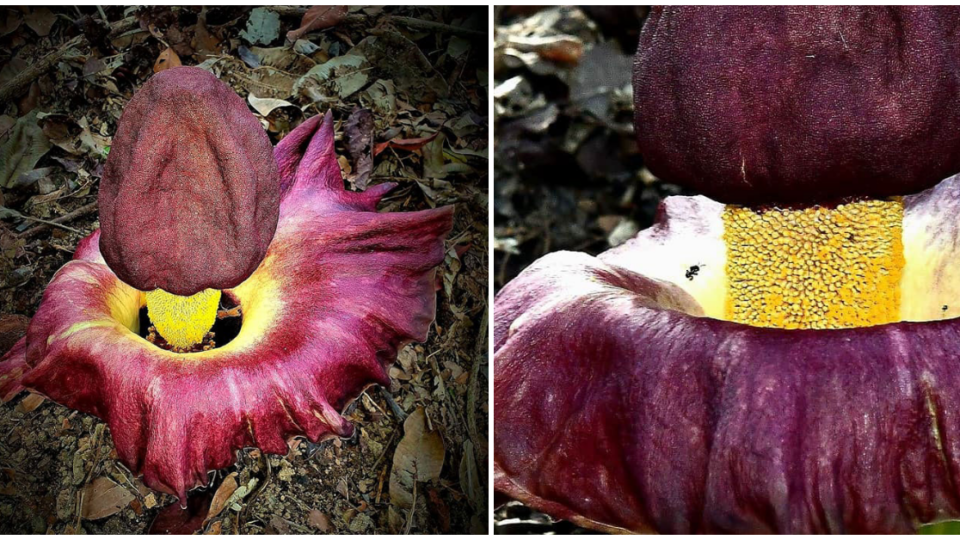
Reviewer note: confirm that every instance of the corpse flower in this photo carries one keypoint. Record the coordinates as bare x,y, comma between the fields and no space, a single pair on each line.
328,288
784,356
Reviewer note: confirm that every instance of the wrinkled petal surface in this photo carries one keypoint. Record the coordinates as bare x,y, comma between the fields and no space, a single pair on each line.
342,287
619,408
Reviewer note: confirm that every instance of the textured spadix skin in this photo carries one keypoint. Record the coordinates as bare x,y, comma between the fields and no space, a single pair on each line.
190,193
616,407
764,104
342,287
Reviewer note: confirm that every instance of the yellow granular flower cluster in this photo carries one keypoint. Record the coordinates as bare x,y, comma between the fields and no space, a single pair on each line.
183,320
814,267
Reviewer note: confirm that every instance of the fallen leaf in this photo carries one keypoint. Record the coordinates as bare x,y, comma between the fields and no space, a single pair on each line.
405,144
31,402
11,23
418,458
41,21
167,59
278,525
12,328
343,75
220,498
318,18
318,520
103,497
358,136
265,106
470,477
440,510
22,150
175,520
263,26
96,145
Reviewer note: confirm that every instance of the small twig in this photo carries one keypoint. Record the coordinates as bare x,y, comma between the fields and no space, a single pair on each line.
397,411
57,222
413,507
48,223
419,24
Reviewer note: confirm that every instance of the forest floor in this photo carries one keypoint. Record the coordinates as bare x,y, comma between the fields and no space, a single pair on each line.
422,72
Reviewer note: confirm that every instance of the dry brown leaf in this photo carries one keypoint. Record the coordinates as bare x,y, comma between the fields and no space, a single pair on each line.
319,521
31,402
418,458
167,59
41,20
358,136
318,18
103,497
405,144
220,498
12,328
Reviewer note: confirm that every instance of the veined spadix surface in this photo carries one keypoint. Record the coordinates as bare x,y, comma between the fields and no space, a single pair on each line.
625,401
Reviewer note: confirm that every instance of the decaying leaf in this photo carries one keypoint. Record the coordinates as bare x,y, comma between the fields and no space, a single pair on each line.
12,328
405,144
342,75
22,150
31,402
319,521
41,20
418,458
265,106
93,143
103,497
470,482
263,26
167,59
220,498
318,18
358,135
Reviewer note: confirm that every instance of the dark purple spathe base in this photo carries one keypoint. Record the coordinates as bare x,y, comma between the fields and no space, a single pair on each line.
620,415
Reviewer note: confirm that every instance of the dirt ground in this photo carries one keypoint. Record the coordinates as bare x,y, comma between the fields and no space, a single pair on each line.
421,70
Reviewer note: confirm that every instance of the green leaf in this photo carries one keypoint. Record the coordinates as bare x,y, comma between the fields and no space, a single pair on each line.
263,27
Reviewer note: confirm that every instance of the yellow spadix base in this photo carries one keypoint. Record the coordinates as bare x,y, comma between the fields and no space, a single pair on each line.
814,267
183,320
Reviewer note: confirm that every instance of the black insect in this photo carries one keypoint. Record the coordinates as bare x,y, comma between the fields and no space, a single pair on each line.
693,271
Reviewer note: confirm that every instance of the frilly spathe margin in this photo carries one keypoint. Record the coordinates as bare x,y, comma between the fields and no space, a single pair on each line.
341,289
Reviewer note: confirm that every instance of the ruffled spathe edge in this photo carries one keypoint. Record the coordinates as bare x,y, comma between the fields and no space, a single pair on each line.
341,289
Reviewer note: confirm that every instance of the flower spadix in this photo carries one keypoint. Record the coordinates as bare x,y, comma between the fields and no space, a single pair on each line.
189,199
